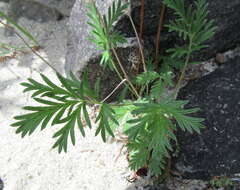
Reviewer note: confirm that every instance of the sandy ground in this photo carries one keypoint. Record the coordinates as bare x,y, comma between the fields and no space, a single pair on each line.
30,163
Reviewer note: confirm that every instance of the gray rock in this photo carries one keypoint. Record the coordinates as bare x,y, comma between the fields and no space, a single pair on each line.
82,54
155,187
182,184
172,183
79,49
33,10
1,184
38,10
108,78
216,151
224,13
63,6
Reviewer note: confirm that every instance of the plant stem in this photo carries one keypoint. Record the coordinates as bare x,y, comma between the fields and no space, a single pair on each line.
116,70
142,58
139,43
32,49
114,90
140,33
116,55
119,75
124,72
184,69
160,27
141,19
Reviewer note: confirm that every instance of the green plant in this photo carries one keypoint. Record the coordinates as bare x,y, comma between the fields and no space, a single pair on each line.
222,181
150,118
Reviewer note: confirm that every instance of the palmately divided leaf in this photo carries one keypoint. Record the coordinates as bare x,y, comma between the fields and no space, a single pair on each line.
59,105
64,133
105,117
102,34
164,81
154,126
123,115
175,109
146,77
191,25
138,155
157,163
149,123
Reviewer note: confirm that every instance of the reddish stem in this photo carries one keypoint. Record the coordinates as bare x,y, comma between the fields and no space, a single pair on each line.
141,35
141,19
160,27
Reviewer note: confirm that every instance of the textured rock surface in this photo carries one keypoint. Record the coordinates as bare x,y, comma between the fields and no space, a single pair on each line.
81,50
216,151
172,184
33,10
109,79
225,14
64,6
40,10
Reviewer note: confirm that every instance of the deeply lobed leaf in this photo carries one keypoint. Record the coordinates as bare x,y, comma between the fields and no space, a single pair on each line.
102,34
154,126
105,117
61,105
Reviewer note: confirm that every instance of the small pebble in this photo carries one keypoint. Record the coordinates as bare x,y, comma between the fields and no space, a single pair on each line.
220,58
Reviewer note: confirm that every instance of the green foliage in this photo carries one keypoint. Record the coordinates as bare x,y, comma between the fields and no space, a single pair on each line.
61,104
105,116
192,26
146,77
191,23
219,182
154,127
123,113
150,121
66,105
102,34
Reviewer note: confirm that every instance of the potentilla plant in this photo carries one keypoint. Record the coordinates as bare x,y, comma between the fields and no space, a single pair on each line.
150,118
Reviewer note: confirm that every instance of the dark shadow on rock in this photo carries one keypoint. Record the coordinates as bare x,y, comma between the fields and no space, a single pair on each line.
33,10
1,184
170,184
225,15
108,78
216,151
38,10
147,187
